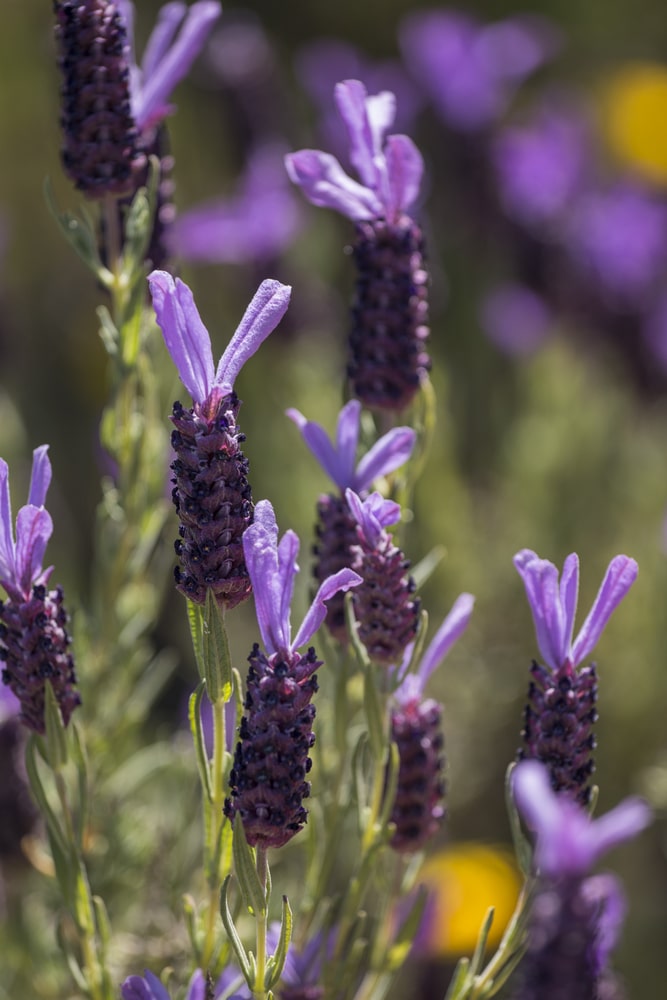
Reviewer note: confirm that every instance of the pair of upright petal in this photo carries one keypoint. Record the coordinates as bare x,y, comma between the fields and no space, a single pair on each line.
21,558
553,604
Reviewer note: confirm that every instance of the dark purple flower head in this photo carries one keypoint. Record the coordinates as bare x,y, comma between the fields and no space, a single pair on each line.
149,987
189,343
618,238
272,567
471,70
339,459
390,167
516,319
174,44
569,842
255,224
541,166
21,558
554,604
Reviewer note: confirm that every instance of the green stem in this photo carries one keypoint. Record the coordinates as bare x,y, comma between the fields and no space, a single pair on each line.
214,828
259,992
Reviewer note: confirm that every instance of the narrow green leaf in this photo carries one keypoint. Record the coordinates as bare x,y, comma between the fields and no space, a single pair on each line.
240,952
103,925
196,623
391,784
80,236
251,888
353,633
81,762
459,987
276,963
52,823
56,737
374,711
215,650
197,730
427,566
482,938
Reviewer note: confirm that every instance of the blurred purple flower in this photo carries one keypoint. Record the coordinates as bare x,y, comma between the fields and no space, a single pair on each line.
175,42
618,237
339,459
255,224
149,987
471,70
10,706
541,165
515,318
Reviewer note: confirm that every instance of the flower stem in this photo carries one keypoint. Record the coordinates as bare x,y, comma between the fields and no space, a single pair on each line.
259,992
214,829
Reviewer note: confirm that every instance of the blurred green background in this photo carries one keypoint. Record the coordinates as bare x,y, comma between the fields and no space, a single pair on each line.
557,452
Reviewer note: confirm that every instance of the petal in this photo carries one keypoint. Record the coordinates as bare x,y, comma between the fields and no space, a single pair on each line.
185,335
136,988
267,308
621,574
196,986
40,479
605,892
449,632
260,548
168,19
321,447
347,436
405,168
540,579
175,62
366,119
325,183
373,514
288,550
561,826
7,546
391,451
343,580
569,592
623,823
33,530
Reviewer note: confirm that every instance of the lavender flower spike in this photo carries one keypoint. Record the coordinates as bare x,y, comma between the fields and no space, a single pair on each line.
561,699
211,493
267,780
416,728
387,360
34,643
149,987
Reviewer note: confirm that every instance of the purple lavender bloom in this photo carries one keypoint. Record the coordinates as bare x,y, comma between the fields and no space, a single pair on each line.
256,224
516,319
561,700
575,921
301,978
267,780
387,359
336,528
387,614
175,42
541,166
618,238
211,493
149,987
471,70
34,643
416,728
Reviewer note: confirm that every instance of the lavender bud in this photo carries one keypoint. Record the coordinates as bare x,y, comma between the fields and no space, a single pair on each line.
418,812
387,356
271,761
100,150
213,500
34,645
386,612
557,726
336,535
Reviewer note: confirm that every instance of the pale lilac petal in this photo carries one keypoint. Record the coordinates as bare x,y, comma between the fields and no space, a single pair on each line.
185,335
347,436
165,28
568,593
449,632
325,183
405,168
366,119
320,445
34,527
175,62
260,548
343,580
196,986
288,550
606,893
628,819
388,453
7,548
540,579
267,308
136,988
621,574
373,514
40,479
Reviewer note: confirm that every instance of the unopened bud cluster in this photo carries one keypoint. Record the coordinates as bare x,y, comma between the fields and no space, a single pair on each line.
418,811
336,533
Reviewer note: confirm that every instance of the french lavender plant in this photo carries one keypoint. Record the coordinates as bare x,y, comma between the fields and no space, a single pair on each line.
562,695
34,642
387,359
336,528
211,493
574,917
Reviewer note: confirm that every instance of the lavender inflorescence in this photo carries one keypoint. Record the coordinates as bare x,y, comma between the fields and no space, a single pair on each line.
336,536
387,354
35,647
557,726
101,151
213,500
418,811
268,778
